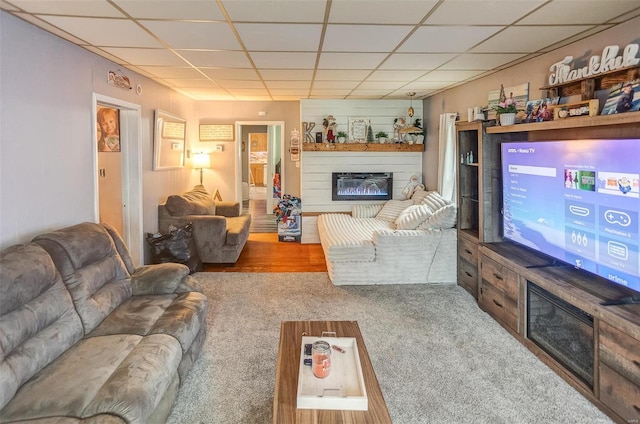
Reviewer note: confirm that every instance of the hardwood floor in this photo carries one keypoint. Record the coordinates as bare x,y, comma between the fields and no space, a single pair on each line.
264,253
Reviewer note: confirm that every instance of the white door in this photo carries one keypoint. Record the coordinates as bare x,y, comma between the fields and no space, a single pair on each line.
118,175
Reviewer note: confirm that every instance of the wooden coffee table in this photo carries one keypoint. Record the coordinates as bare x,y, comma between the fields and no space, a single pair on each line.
284,400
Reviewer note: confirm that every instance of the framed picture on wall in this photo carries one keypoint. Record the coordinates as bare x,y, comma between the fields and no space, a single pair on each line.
108,129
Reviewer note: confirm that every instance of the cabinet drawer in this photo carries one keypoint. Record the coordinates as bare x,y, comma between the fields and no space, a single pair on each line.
491,300
619,394
468,251
620,351
468,276
500,276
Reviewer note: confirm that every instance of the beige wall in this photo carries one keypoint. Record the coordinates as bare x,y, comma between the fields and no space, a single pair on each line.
222,174
535,72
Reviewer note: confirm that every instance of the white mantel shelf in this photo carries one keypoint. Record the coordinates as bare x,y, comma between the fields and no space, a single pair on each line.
362,147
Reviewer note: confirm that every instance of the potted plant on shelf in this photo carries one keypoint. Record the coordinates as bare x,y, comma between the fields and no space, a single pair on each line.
342,136
506,109
382,137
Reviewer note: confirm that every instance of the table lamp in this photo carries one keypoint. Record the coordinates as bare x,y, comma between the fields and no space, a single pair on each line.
201,161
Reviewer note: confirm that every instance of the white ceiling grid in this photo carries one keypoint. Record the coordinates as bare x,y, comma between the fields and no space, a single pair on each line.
300,49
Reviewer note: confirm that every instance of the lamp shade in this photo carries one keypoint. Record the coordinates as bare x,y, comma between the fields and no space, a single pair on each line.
201,160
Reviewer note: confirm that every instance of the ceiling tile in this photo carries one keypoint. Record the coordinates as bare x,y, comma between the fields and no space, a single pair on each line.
275,10
191,83
237,74
171,9
381,85
480,61
280,37
350,60
298,85
527,39
329,94
400,94
143,57
69,8
379,12
283,60
426,85
589,32
447,39
486,12
104,54
213,58
335,85
341,74
449,76
104,32
568,12
289,92
194,35
238,92
395,75
240,84
364,38
420,61
172,72
371,92
48,27
286,74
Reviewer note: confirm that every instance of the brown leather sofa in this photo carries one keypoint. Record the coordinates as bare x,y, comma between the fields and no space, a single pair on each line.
219,231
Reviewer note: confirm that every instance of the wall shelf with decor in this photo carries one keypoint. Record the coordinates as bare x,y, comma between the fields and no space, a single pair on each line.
362,147
618,119
586,87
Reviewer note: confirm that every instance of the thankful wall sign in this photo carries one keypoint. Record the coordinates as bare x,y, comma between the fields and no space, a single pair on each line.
611,59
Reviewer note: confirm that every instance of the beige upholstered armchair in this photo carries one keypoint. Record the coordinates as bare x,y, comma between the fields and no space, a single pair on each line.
219,231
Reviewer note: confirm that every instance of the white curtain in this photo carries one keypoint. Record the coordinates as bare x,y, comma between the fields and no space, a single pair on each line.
447,157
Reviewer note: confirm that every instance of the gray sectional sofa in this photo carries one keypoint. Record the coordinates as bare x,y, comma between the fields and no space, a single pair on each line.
85,337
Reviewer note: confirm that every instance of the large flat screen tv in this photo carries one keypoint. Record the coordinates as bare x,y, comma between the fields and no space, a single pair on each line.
577,201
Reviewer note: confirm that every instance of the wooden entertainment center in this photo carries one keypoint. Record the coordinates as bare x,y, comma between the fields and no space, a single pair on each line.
497,272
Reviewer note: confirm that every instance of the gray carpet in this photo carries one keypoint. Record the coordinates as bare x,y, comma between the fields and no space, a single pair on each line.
438,358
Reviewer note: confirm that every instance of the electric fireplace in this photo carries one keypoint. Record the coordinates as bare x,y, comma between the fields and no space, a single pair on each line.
562,330
362,185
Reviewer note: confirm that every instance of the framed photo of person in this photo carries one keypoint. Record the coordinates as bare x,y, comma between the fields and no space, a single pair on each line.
108,129
623,97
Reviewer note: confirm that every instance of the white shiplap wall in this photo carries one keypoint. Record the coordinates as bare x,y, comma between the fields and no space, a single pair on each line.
316,167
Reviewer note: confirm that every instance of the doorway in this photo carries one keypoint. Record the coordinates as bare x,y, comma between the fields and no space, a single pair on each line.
118,175
273,170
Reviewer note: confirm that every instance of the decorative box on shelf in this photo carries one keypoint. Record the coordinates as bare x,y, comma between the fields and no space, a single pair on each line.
570,110
343,388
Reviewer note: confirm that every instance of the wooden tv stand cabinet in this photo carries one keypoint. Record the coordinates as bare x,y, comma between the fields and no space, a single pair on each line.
505,269
496,272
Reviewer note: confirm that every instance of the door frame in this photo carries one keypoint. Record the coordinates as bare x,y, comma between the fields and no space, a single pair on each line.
131,151
238,155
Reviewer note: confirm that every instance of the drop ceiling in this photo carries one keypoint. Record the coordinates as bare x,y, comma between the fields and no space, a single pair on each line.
317,49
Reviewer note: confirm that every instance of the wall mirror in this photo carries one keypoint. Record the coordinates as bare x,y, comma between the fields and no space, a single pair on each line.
168,141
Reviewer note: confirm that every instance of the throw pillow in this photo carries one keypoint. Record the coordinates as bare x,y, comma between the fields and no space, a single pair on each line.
195,202
435,201
392,209
411,217
445,217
